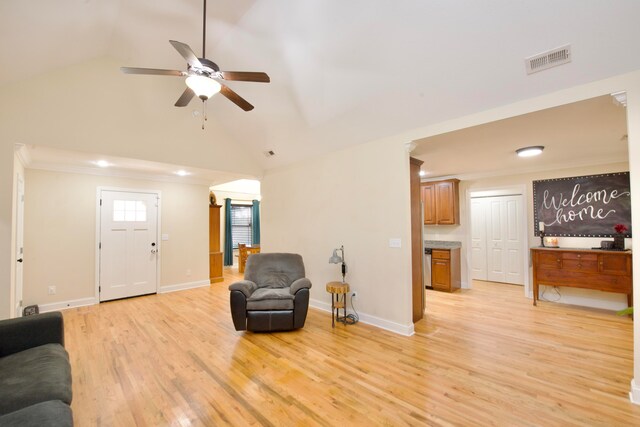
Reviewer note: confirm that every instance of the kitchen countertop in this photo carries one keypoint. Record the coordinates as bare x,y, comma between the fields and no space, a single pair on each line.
441,244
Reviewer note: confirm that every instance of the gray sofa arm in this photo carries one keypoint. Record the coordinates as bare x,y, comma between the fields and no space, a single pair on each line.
299,284
245,286
23,333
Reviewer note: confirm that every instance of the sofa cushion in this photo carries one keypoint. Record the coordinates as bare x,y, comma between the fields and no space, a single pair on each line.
270,299
35,375
52,413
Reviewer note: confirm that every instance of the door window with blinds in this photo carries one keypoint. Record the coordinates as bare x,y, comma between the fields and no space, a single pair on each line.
241,225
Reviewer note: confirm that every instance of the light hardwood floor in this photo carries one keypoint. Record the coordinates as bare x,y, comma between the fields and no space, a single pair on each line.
480,357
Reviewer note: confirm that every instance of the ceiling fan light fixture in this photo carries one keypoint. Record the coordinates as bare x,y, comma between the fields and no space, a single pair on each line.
204,87
530,151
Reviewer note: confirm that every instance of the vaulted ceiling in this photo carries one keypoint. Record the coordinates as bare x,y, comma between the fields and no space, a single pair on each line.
343,72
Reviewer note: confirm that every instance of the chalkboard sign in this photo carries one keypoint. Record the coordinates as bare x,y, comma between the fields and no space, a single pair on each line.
583,206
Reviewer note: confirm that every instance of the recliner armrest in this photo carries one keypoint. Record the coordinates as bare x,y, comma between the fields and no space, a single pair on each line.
26,332
247,287
299,284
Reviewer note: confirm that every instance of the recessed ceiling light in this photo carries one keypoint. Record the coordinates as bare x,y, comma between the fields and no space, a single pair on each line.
530,151
181,173
422,173
102,163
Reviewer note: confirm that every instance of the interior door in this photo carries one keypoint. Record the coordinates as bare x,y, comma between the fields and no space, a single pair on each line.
128,244
496,240
19,245
513,256
479,239
504,245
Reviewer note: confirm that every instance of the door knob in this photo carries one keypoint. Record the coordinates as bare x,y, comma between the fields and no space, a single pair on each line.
153,251
19,260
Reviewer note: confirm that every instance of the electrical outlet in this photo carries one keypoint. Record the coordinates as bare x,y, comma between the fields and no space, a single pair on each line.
52,290
354,294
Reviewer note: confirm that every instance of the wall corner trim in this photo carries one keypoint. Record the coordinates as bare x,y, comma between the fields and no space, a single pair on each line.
405,330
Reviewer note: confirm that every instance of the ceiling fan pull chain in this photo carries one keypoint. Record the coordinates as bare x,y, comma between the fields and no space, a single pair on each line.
204,113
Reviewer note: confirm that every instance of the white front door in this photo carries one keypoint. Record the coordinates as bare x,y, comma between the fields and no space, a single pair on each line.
128,244
19,244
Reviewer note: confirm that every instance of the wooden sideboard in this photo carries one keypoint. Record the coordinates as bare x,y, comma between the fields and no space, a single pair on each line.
608,271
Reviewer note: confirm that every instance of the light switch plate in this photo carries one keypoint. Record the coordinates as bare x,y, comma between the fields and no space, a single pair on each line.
165,237
395,243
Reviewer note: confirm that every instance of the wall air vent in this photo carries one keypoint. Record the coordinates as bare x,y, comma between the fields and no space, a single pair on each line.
549,59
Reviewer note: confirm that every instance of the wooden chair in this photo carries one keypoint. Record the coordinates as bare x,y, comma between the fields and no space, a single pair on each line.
243,253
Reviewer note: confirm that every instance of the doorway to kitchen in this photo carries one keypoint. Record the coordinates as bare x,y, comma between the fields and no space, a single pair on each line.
498,235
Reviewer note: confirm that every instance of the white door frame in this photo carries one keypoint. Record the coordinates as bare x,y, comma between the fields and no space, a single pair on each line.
511,190
18,279
99,190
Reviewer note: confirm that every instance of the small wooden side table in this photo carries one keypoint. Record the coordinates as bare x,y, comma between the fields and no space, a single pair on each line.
336,289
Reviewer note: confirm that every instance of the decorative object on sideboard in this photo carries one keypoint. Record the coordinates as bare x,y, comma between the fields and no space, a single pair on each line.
339,259
618,238
551,242
212,199
541,232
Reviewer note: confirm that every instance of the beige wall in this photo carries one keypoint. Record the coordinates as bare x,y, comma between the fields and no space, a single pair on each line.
359,198
60,233
462,232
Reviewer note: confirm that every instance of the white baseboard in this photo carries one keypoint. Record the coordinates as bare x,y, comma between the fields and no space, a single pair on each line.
56,306
634,394
183,286
406,330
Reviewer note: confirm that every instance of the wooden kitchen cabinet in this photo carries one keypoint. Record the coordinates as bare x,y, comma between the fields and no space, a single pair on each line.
441,202
445,269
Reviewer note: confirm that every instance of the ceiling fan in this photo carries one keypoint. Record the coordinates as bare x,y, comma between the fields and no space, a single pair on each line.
203,76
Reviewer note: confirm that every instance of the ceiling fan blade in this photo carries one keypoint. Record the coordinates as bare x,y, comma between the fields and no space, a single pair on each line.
185,98
235,98
246,76
187,53
152,71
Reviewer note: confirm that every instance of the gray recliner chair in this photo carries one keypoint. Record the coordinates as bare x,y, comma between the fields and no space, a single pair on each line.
274,295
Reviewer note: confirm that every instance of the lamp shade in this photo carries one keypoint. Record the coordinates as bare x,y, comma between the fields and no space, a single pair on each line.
335,259
203,87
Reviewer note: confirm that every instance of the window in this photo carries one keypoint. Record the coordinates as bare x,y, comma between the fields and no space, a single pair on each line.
240,225
129,210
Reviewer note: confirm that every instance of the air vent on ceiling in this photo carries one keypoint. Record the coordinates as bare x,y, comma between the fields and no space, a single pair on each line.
545,60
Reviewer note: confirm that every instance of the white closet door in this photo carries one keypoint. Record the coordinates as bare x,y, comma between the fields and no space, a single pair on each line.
479,239
496,240
513,256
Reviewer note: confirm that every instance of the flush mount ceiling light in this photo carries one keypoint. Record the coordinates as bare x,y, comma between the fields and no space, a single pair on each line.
422,173
102,163
530,151
181,173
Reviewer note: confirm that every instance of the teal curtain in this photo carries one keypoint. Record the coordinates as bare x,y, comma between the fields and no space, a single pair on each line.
228,239
255,223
